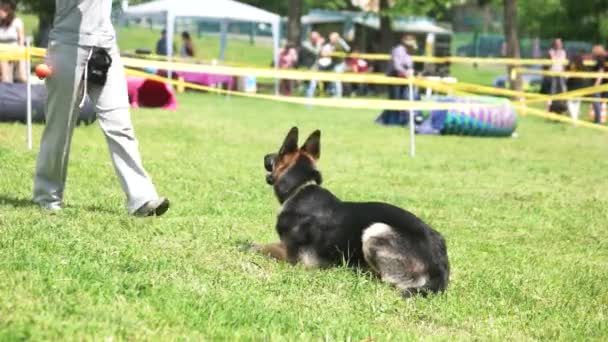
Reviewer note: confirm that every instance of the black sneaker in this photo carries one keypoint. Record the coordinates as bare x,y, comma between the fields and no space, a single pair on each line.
155,207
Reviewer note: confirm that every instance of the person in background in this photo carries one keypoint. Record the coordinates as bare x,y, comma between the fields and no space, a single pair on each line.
358,65
574,83
161,44
309,57
11,33
558,57
600,58
288,59
338,44
187,49
402,66
310,49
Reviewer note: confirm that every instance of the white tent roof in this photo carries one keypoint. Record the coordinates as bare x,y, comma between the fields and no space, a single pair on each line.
216,9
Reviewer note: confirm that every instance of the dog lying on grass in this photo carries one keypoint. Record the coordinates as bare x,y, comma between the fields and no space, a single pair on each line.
317,229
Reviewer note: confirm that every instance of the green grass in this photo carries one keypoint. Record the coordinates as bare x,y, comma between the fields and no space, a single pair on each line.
480,74
524,219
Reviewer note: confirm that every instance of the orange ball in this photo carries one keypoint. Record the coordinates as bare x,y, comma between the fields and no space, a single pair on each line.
42,71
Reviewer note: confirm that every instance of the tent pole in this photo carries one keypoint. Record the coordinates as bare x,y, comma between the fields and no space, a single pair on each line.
412,122
28,68
223,40
170,34
276,27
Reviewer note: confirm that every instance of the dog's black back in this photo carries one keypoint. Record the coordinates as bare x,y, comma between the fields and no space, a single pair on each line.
317,229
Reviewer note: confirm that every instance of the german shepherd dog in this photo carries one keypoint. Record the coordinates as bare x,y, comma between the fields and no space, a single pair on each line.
317,229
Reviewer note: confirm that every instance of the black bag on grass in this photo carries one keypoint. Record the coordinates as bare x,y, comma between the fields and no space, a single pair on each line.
13,104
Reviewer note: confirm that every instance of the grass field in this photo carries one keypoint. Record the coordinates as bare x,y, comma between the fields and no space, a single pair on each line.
525,221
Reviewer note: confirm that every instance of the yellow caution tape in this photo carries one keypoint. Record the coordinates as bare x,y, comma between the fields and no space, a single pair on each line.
561,118
568,74
573,94
369,104
339,103
460,88
456,59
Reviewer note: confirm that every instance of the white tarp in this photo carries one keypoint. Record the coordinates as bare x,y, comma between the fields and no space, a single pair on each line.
223,11
217,9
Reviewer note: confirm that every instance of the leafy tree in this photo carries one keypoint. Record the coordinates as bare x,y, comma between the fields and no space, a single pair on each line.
510,24
294,24
45,10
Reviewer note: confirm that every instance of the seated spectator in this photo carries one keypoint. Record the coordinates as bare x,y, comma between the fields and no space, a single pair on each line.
161,44
187,49
11,33
358,65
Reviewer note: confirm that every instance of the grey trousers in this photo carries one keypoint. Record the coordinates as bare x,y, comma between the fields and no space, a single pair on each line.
65,90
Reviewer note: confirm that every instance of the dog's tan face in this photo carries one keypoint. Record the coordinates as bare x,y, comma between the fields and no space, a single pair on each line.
277,164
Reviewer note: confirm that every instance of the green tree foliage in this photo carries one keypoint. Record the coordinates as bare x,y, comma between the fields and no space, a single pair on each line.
570,19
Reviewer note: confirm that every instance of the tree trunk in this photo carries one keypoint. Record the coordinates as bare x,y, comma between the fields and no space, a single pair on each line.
386,34
41,36
294,25
510,9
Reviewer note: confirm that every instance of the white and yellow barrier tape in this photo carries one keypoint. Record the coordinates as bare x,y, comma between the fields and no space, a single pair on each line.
368,103
439,86
565,74
453,88
456,59
326,102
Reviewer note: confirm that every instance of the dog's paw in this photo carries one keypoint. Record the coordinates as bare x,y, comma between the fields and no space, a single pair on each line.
246,246
256,247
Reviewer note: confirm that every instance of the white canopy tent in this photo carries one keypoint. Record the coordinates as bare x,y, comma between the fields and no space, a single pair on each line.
222,11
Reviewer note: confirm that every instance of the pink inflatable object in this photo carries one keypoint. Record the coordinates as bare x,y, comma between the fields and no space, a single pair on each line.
150,93
212,80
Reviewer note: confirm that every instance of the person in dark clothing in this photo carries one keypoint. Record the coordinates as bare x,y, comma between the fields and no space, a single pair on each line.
575,83
161,44
599,55
187,49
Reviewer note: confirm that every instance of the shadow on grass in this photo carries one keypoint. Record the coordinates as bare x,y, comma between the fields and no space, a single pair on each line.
9,201
102,210
15,202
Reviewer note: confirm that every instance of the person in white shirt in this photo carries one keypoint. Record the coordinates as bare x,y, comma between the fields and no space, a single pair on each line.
559,61
11,33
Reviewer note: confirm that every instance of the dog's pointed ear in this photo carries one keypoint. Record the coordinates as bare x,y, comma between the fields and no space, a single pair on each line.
312,145
290,144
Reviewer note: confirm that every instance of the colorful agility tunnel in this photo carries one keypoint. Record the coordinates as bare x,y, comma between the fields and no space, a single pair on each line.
486,116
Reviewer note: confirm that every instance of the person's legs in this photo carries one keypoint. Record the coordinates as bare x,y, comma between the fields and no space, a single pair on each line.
112,105
563,86
312,87
64,90
6,72
20,73
574,107
597,109
338,84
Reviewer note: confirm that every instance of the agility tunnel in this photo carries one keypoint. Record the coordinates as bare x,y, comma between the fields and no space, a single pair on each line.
485,117
150,93
13,104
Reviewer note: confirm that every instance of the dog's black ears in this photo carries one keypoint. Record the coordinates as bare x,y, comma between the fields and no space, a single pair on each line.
313,145
290,144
